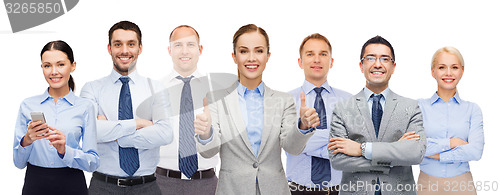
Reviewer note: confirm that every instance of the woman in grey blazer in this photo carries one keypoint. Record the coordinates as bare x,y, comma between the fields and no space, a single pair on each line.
249,123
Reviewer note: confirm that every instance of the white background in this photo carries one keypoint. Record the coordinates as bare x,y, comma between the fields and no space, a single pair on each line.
415,28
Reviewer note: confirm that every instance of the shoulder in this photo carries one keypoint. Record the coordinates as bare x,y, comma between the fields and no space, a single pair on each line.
96,83
404,100
295,91
341,93
32,100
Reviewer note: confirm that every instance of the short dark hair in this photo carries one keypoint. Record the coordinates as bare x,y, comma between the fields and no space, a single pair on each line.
377,40
314,36
65,48
184,26
126,25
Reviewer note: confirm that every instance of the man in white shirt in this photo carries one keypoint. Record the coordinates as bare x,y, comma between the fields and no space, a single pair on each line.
127,145
181,169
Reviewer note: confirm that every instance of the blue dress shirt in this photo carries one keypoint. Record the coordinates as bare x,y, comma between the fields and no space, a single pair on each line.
367,92
112,132
298,167
254,129
446,120
73,116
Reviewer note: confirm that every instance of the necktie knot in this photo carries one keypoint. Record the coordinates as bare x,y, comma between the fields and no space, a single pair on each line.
185,80
318,90
124,80
376,98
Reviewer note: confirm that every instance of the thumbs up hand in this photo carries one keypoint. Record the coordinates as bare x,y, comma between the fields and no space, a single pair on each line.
308,116
203,122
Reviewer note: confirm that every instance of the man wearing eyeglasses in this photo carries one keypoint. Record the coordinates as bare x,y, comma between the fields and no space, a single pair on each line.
376,135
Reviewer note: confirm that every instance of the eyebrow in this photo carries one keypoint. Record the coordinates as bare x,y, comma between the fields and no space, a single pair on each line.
376,55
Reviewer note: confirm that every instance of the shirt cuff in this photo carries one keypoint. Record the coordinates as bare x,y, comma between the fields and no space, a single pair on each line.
204,142
368,150
304,131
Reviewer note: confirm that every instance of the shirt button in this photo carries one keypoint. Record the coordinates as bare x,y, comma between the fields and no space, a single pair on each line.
255,165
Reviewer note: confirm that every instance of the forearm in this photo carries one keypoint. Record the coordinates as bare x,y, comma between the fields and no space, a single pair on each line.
348,163
149,137
400,153
435,146
79,159
108,131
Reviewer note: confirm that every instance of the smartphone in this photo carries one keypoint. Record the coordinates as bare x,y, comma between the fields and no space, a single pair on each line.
38,116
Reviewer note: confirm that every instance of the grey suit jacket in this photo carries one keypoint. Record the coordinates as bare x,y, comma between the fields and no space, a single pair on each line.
241,171
391,159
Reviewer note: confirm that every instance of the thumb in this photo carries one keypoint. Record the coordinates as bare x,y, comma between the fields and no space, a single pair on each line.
302,99
205,105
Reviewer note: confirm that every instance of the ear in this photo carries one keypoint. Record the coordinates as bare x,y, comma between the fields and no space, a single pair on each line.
169,51
140,49
331,64
73,66
109,49
361,66
433,73
201,49
268,56
234,58
300,63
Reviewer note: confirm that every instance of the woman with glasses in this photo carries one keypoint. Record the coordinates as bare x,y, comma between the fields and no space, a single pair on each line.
249,123
51,150
454,129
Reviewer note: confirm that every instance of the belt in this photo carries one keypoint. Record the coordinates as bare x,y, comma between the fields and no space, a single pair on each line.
177,174
124,181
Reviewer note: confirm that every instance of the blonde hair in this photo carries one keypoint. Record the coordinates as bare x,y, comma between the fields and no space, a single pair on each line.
450,50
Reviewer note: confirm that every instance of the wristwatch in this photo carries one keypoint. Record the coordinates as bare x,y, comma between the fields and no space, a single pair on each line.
363,146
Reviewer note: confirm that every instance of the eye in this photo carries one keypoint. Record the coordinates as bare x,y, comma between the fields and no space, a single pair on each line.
46,66
455,67
323,54
131,44
441,67
371,59
384,59
190,44
309,54
260,51
117,44
243,51
61,64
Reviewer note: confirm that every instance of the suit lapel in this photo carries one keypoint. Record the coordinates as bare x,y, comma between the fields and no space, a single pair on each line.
362,104
390,105
233,104
269,114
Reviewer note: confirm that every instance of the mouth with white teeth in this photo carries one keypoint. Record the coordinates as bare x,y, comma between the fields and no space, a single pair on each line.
125,59
252,67
185,59
316,67
55,79
377,73
448,80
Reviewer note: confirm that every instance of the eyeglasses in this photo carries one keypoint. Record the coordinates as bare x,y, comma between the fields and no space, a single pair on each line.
369,60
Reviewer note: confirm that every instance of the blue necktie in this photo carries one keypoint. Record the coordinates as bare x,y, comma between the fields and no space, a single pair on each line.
320,167
129,157
188,159
377,113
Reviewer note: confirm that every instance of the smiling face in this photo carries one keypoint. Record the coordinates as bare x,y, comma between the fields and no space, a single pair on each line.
447,71
124,50
185,50
316,60
377,74
56,70
251,57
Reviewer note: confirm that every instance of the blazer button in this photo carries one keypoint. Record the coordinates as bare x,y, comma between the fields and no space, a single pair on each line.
255,165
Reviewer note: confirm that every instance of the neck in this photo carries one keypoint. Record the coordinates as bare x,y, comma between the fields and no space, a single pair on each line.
446,94
377,89
57,93
184,73
251,83
316,82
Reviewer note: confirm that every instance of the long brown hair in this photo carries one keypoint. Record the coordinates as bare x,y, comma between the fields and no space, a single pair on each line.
65,48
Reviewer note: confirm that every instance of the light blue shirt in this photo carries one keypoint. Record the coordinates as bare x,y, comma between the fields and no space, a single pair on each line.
298,168
112,132
255,99
74,117
368,93
445,120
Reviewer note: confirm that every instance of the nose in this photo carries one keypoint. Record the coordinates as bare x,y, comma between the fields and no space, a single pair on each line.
184,49
316,59
448,71
252,56
377,63
54,70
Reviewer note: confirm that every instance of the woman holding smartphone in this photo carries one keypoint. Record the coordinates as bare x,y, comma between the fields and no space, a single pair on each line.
51,151
249,123
454,129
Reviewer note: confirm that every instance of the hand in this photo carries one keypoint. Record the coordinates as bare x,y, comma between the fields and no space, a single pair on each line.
102,117
434,156
141,123
308,116
410,136
203,122
57,139
455,142
346,146
36,130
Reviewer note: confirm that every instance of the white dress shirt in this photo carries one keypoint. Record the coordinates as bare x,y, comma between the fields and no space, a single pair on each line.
112,132
169,154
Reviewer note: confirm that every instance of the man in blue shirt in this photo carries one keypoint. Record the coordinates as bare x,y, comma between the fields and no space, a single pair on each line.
128,145
310,171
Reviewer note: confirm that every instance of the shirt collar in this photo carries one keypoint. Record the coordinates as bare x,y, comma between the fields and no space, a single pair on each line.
309,87
435,98
115,76
70,97
242,89
367,92
173,74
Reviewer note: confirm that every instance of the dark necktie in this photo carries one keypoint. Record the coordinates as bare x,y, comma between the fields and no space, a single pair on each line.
320,167
129,157
377,113
188,159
